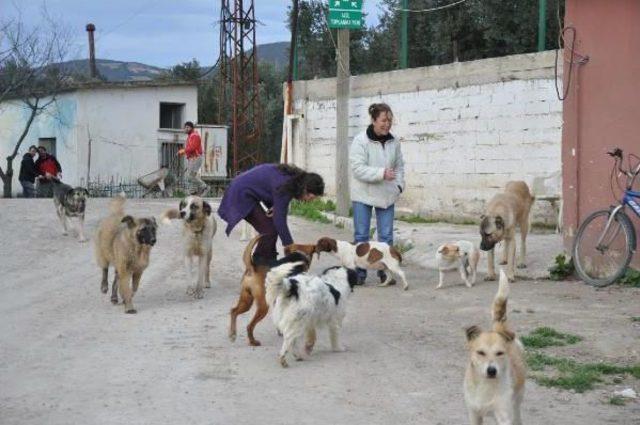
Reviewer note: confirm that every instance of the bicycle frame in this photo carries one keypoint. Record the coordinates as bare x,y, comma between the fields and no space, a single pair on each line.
632,198
629,199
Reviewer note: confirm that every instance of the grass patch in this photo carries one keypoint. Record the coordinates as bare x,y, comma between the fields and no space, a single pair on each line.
572,375
548,337
178,193
561,269
311,210
630,278
635,318
616,400
416,219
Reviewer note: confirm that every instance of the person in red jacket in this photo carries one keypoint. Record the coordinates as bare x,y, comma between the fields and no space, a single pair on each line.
48,170
193,152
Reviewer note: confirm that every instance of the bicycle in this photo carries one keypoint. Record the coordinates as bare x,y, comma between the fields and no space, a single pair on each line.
600,256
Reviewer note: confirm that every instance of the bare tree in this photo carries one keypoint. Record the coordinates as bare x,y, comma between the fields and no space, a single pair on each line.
30,75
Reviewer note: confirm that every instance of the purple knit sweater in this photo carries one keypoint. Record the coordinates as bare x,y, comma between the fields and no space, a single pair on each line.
261,183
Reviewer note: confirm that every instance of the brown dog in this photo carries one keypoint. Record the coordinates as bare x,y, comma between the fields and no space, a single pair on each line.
124,242
503,213
307,249
252,288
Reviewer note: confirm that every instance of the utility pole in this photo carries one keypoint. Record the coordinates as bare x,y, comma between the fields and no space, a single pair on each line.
404,39
542,24
291,75
343,195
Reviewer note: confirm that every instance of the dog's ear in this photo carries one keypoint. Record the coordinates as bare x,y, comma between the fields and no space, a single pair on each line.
505,333
473,332
155,223
131,222
206,207
499,222
183,204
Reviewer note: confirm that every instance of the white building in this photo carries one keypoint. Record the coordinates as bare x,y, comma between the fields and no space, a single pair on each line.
112,131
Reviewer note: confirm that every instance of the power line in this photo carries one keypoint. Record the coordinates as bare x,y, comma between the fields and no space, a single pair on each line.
431,9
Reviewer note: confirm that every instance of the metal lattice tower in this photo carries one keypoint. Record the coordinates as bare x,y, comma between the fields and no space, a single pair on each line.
239,100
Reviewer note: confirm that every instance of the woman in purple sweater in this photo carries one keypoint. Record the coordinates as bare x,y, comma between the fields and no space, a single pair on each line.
274,185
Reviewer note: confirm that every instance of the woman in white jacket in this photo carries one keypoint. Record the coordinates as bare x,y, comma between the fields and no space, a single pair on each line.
378,178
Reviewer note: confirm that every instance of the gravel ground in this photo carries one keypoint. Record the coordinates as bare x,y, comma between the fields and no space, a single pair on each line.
67,356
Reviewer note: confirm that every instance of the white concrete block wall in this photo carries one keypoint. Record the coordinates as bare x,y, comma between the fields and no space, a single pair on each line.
462,139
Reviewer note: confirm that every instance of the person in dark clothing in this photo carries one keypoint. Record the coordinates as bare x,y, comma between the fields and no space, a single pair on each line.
28,173
49,171
261,196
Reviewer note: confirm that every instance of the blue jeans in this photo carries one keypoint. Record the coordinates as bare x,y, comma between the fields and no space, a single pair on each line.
362,225
28,189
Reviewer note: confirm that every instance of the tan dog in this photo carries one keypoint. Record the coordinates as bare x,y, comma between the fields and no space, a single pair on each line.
462,256
307,249
197,235
124,242
503,213
495,376
252,288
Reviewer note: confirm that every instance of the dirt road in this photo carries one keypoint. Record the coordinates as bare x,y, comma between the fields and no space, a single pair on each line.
67,356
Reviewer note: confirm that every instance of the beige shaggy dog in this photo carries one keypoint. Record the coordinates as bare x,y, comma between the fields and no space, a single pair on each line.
504,212
124,242
494,381
199,229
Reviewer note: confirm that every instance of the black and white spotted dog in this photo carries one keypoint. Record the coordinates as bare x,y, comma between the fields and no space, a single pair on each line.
302,302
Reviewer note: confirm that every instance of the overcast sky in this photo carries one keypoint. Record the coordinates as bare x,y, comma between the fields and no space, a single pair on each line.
155,32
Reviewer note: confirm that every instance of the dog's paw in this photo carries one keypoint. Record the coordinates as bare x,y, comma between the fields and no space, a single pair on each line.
406,287
232,336
439,287
308,348
65,233
195,292
207,285
114,301
83,240
131,311
339,349
522,266
254,343
502,262
104,288
469,284
283,361
490,277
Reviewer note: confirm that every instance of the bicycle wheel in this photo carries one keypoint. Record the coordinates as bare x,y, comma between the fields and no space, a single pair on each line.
602,258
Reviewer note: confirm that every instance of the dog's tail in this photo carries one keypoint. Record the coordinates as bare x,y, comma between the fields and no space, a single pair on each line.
500,301
168,215
248,254
116,206
275,280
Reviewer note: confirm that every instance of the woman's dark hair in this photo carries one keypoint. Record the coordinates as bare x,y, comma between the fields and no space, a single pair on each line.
301,182
375,109
189,124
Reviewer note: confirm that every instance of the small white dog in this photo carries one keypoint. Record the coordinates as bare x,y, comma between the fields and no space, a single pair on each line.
366,255
199,229
303,302
462,256
494,381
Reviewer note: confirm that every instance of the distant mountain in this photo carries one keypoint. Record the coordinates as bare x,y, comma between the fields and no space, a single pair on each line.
112,70
275,53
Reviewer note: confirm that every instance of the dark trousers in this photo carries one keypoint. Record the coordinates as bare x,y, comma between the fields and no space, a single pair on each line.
266,248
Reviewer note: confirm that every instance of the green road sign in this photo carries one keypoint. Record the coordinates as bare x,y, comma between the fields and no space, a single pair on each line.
345,14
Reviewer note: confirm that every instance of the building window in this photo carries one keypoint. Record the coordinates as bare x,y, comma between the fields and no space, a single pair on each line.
49,144
171,115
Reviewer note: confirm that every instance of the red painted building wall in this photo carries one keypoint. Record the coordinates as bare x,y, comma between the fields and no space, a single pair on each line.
602,109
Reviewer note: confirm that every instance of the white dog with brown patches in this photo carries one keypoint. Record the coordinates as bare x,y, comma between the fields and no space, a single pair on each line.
494,381
365,255
199,229
462,256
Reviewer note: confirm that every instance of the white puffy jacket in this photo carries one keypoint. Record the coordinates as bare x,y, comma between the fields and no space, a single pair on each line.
368,159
